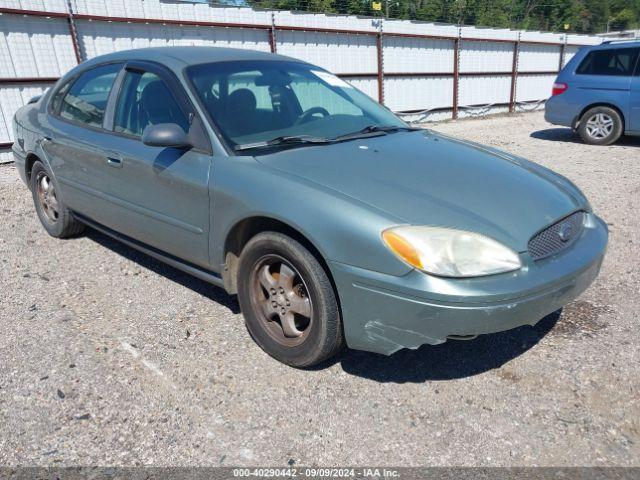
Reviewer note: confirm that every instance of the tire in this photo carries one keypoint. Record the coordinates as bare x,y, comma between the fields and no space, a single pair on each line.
55,217
279,282
600,126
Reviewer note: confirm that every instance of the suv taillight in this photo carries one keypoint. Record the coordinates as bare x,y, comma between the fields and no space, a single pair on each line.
559,88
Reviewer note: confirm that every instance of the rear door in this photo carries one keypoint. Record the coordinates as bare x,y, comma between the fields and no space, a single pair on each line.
75,137
159,195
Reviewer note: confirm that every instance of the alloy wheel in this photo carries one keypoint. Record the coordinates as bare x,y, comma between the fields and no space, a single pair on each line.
47,197
600,126
280,298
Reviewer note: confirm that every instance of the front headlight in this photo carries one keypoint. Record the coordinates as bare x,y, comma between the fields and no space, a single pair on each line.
450,253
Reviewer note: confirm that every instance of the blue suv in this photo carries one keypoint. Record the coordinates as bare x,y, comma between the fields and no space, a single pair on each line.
598,93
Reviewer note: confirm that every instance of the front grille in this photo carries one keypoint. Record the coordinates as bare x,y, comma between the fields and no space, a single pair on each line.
556,237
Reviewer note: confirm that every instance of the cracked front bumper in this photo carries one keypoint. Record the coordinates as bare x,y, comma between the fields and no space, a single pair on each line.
384,313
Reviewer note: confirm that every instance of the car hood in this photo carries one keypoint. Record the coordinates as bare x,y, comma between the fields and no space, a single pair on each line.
425,178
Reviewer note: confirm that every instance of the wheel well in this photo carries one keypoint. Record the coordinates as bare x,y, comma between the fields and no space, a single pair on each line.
248,228
28,165
601,104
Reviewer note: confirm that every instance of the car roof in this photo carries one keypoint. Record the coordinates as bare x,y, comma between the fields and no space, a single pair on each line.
179,57
622,43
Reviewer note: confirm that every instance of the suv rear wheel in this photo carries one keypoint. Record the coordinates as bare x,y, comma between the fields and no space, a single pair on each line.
600,126
288,301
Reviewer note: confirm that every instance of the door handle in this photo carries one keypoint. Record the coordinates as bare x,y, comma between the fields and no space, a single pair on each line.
114,160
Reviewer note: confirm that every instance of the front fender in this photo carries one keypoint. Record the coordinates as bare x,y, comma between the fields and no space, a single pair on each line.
342,229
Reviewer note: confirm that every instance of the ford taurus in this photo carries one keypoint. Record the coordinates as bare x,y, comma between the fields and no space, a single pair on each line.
335,222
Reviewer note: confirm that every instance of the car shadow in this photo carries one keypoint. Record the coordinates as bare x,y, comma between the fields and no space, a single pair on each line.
201,287
451,360
568,135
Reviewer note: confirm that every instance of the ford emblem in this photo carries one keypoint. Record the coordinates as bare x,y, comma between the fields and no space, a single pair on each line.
565,232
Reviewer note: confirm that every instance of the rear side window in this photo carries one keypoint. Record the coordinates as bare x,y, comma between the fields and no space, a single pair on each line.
618,62
146,100
86,100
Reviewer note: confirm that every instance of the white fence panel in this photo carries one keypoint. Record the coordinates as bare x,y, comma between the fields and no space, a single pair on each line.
486,57
418,93
34,47
44,5
534,87
368,86
12,97
416,55
99,38
538,58
340,53
484,90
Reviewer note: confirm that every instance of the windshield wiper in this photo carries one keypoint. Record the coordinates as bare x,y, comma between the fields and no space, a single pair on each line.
284,140
375,130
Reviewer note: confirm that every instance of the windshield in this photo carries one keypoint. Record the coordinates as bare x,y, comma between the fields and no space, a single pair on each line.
253,102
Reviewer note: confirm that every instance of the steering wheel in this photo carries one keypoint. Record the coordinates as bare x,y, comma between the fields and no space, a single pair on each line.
306,116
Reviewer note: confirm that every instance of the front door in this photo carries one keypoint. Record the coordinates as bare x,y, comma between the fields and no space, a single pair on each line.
160,195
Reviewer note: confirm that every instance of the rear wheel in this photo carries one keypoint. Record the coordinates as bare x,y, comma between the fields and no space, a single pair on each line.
600,126
55,217
288,301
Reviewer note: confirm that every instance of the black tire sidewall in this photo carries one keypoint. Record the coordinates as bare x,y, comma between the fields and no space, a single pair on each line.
616,133
323,339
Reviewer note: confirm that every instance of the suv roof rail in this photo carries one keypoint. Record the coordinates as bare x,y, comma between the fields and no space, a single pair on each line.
620,40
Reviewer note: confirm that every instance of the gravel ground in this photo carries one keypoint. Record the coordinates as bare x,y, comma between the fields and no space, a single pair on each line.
111,358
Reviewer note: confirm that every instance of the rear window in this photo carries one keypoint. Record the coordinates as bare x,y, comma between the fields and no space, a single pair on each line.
618,62
86,100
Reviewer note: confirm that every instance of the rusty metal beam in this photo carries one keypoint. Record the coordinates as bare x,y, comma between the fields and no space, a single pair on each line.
561,62
380,68
29,80
456,77
272,35
514,77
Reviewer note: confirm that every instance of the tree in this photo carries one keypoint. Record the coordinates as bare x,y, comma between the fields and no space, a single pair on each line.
584,16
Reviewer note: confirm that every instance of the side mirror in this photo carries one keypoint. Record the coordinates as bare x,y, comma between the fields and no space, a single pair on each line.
34,99
165,135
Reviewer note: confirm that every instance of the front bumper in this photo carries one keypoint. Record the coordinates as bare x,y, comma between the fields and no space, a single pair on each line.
383,313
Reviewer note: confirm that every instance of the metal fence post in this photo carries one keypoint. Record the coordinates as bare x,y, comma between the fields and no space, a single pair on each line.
74,33
456,74
379,48
514,75
272,34
562,48
380,68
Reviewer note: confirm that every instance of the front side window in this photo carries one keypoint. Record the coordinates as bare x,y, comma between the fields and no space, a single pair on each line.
617,62
146,100
257,101
86,100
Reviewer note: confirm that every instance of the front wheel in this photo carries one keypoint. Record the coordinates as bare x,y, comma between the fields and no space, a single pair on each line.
600,126
288,301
